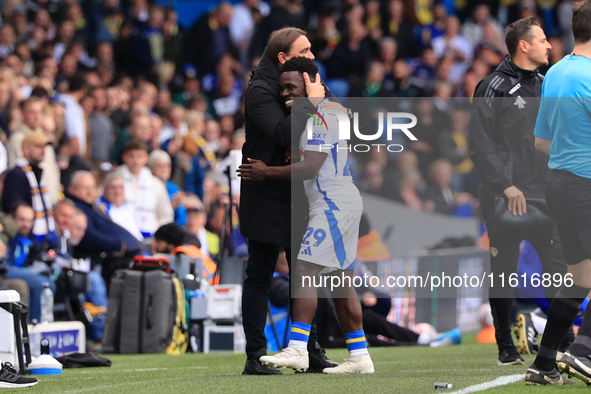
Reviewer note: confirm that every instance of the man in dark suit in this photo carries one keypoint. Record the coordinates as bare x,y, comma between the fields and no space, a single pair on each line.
439,192
265,208
102,234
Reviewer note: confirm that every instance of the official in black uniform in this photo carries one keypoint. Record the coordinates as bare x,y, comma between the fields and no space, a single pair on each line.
265,206
501,145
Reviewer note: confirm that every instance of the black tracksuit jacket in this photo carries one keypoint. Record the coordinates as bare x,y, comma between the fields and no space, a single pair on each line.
501,133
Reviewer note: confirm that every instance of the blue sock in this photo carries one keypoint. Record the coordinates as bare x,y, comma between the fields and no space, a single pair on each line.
300,332
356,343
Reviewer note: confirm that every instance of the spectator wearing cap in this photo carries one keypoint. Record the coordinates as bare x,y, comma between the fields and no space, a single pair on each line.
189,86
26,185
143,191
113,204
31,123
160,164
75,120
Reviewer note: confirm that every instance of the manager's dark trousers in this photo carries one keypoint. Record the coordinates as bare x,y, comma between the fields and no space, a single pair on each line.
504,258
262,258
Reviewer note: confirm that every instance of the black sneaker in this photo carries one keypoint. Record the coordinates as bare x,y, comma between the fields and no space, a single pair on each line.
579,367
9,378
318,360
526,334
510,356
255,367
536,377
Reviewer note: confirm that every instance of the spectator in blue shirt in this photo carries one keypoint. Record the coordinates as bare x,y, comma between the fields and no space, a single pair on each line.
23,250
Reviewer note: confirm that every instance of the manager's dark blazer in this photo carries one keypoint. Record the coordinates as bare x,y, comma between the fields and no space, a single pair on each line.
265,207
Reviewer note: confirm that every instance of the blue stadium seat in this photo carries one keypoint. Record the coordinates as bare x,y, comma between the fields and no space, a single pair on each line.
338,87
321,69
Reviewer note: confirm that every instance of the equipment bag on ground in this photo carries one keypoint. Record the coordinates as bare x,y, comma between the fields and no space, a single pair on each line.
145,314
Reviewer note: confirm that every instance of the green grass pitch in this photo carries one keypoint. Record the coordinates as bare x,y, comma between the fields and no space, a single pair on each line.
406,370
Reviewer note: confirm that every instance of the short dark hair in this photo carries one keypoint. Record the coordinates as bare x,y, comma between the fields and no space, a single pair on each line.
281,41
302,65
517,31
18,205
135,144
581,23
39,91
77,83
172,233
25,103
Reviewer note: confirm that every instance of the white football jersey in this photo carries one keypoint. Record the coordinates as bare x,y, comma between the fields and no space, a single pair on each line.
333,187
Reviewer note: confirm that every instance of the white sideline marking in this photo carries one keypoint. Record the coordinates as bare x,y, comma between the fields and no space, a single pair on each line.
501,381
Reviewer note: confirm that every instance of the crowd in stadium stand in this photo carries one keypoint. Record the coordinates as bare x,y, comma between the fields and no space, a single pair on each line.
142,113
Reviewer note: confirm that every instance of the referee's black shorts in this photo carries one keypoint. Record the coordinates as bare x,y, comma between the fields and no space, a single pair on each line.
569,199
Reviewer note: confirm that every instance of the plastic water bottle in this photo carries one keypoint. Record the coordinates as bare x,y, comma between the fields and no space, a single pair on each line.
195,338
46,304
443,385
203,285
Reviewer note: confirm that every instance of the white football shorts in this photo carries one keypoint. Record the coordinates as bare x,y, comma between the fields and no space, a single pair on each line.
331,239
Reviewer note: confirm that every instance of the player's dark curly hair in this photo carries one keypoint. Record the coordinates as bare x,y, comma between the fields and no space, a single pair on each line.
300,64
